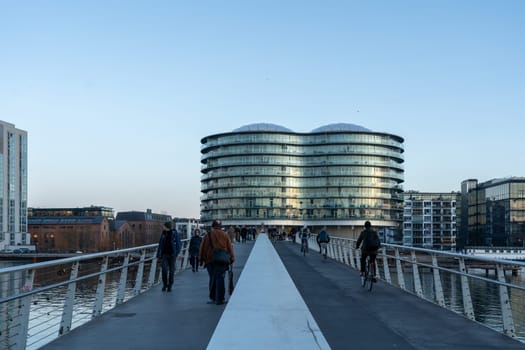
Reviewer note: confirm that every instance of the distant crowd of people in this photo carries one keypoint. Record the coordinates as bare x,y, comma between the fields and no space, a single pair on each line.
214,250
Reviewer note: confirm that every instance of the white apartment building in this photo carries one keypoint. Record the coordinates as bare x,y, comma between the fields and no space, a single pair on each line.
429,220
13,187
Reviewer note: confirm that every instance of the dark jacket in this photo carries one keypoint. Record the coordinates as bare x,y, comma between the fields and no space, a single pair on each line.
175,242
195,245
323,237
363,239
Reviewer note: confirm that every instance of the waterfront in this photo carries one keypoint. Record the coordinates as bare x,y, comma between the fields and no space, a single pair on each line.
46,307
485,296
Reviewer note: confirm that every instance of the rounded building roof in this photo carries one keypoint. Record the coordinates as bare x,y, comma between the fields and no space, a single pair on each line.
340,127
262,127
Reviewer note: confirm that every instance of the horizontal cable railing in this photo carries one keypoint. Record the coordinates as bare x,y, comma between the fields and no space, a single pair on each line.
42,301
487,291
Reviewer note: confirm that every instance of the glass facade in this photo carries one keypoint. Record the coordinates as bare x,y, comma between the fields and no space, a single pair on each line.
496,213
335,176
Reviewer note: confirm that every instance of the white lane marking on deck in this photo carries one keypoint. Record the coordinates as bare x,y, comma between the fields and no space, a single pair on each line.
266,310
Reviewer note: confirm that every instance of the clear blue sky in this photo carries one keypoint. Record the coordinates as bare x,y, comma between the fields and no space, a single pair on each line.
116,95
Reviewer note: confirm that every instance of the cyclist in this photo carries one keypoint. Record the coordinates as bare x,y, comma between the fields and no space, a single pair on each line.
371,244
305,234
323,238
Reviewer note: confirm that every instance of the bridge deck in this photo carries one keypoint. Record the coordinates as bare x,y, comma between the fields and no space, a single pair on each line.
345,316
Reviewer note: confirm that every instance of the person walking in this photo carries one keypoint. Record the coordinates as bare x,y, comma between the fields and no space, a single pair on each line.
370,245
195,245
168,249
244,234
216,240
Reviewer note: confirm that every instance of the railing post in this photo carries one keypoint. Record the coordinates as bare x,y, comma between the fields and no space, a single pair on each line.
340,253
101,286
358,259
23,312
399,271
67,313
438,289
378,269
506,311
344,255
351,255
415,272
311,244
140,273
465,290
386,268
123,279
186,249
152,271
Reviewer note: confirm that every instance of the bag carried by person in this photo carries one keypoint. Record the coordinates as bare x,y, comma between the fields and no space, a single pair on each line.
372,241
219,256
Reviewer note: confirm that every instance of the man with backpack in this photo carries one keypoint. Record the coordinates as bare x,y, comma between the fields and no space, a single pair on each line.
322,239
168,249
371,244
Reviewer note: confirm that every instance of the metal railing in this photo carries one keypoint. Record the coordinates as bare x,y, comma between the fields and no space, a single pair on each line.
42,301
488,291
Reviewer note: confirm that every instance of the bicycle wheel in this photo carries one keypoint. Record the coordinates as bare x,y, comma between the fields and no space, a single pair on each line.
371,277
364,278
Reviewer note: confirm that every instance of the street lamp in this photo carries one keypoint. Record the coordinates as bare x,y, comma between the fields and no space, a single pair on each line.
35,241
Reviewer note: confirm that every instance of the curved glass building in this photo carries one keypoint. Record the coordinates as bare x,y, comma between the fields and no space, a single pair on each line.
338,175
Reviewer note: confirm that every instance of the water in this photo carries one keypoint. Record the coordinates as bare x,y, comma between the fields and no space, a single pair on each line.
485,296
46,307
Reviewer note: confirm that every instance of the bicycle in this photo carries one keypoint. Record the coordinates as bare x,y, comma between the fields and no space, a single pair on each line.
304,246
369,277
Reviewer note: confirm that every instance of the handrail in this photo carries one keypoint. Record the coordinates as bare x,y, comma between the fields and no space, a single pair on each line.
458,268
77,287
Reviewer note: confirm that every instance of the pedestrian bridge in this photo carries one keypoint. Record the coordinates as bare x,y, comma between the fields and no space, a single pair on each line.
284,300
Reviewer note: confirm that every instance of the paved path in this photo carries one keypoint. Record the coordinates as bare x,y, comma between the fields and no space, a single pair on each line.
157,320
342,315
351,317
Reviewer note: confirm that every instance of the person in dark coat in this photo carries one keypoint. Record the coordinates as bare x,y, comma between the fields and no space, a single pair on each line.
195,245
168,249
366,250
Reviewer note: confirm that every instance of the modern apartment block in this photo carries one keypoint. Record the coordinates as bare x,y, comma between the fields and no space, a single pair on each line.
495,212
429,220
13,186
338,176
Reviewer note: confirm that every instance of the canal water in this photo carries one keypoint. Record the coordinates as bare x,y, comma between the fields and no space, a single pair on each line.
485,296
46,307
